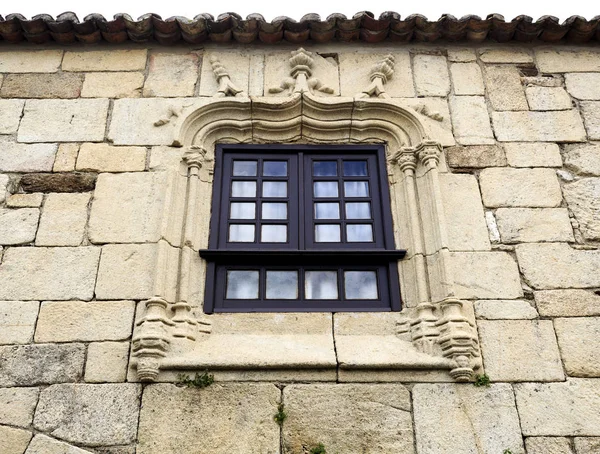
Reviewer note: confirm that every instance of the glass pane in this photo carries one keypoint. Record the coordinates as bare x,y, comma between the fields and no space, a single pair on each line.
355,168
275,168
321,285
241,233
356,188
327,233
245,210
243,189
325,168
326,189
327,210
274,189
244,168
282,285
360,285
358,233
271,210
358,210
273,233
242,285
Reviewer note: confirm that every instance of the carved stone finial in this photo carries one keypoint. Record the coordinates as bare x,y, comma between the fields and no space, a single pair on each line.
301,80
226,86
381,72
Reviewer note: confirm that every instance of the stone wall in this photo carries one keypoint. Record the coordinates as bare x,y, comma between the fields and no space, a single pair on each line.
88,171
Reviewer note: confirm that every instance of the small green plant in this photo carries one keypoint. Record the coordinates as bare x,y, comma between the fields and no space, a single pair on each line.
199,381
482,380
319,449
507,451
281,415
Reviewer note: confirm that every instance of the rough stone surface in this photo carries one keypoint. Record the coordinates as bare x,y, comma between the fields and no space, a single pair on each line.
17,321
348,418
13,441
583,159
591,115
587,445
548,445
37,61
530,225
461,55
470,120
504,310
567,303
105,60
548,98
567,61
42,86
17,405
505,187
113,85
452,418
25,200
467,79
527,154
171,75
20,157
63,220
553,126
476,156
10,114
93,415
431,75
584,86
101,157
18,226
4,180
559,409
505,91
38,364
505,56
107,362
59,182
583,198
41,444
579,343
48,273
220,419
66,157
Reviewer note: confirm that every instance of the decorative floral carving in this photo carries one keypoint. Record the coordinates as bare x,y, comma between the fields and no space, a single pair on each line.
301,80
381,72
226,86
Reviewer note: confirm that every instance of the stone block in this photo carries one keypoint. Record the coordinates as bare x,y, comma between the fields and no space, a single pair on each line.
567,61
42,86
4,180
257,76
61,273
41,364
461,54
431,75
452,418
66,157
113,85
567,303
470,120
41,444
520,350
505,56
584,86
10,115
548,445
530,225
548,98
57,120
505,187
105,60
528,154
227,418
505,310
101,157
579,343
553,126
17,406
107,362
58,182
63,220
37,61
348,418
171,75
238,66
583,198
591,115
20,157
583,159
434,116
14,441
17,321
18,226
25,200
467,79
504,88
93,415
556,265
587,445
476,156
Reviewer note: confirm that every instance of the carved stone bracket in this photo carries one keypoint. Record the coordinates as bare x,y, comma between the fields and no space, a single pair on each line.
381,72
226,86
301,80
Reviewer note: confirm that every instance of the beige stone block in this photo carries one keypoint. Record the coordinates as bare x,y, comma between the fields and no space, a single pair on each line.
366,323
237,65
467,79
431,75
530,225
113,85
548,98
257,75
17,321
505,187
4,181
470,120
476,156
505,310
171,75
50,120
17,406
587,445
583,159
461,55
504,88
37,61
18,226
228,418
591,115
567,61
269,323
33,200
528,154
42,86
567,303
583,198
101,157
63,220
553,126
41,444
548,445
105,60
505,56
107,362
14,441
556,265
10,114
61,273
579,343
585,86
66,157
452,418
20,157
355,73
347,417
71,412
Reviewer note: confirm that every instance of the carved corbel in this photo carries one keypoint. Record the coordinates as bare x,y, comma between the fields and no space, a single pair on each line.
381,72
301,80
226,86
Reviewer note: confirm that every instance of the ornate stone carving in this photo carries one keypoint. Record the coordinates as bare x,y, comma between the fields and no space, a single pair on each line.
301,80
423,330
424,110
172,111
381,72
226,86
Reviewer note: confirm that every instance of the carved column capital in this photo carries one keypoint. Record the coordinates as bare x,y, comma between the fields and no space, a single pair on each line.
429,153
407,161
194,157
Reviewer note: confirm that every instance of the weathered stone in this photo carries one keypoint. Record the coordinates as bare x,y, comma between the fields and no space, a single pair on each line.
25,200
567,303
348,418
461,55
17,321
453,418
579,342
17,406
105,60
20,157
583,198
587,445
527,154
556,265
115,450
10,115
238,66
37,61
591,114
467,79
470,120
434,115
113,85
4,180
504,88
59,182
431,75
90,414
63,220
548,98
13,441
39,364
506,187
548,445
583,159
171,75
584,86
18,226
520,350
505,56
505,310
567,61
530,225
554,126
76,120
60,273
41,444
42,86
107,362
545,80
101,157
476,156
559,409
220,419
66,157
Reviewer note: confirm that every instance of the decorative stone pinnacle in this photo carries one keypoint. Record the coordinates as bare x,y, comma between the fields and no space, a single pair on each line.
301,80
381,72
226,86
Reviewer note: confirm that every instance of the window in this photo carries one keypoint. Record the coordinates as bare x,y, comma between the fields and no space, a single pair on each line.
301,228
